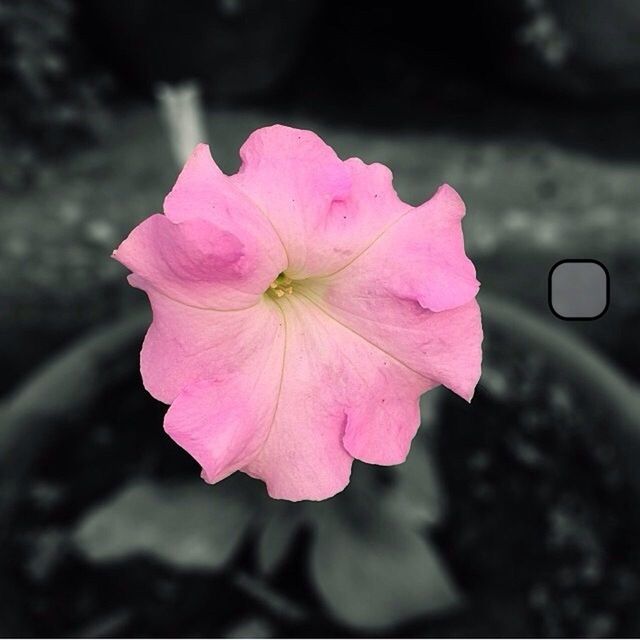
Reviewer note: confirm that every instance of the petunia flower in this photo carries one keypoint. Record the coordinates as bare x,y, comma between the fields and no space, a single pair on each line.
300,309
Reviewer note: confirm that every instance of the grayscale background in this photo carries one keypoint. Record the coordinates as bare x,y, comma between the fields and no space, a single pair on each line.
517,515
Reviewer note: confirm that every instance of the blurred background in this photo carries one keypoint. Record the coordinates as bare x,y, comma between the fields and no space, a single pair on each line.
517,515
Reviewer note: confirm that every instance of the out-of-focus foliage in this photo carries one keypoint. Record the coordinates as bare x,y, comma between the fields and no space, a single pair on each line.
588,50
48,103
280,527
372,563
185,524
232,48
369,559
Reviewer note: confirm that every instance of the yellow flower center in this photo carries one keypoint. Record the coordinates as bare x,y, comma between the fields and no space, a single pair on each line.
281,286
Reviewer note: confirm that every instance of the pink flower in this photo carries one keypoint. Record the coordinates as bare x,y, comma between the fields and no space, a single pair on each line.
300,309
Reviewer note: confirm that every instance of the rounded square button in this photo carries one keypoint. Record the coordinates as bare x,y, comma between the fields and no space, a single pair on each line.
578,289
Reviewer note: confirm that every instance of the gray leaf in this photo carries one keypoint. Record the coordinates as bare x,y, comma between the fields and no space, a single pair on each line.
187,525
378,575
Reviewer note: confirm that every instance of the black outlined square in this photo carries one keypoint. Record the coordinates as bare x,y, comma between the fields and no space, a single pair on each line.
579,289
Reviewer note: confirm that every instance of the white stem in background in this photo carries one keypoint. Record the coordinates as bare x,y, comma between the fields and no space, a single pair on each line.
183,114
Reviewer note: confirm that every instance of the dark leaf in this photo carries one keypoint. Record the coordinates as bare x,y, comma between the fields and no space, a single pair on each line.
280,527
251,628
417,497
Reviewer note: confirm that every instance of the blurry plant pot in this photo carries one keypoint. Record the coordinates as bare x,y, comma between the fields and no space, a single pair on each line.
76,378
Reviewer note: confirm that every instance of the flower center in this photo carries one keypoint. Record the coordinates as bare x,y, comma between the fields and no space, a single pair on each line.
281,286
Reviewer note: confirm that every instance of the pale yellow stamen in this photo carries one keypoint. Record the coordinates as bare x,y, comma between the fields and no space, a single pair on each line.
281,286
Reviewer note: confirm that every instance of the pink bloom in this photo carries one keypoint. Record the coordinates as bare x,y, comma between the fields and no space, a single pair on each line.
300,309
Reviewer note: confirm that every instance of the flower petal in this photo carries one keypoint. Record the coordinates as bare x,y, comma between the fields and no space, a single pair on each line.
214,248
325,211
382,423
224,415
185,344
412,293
218,425
294,177
352,223
341,397
202,191
197,263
